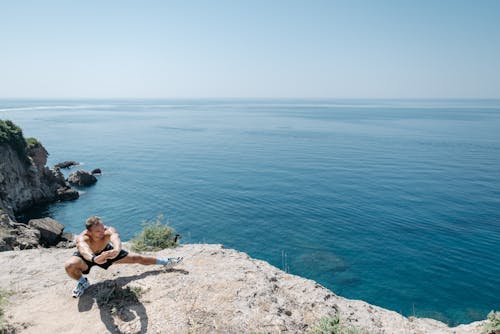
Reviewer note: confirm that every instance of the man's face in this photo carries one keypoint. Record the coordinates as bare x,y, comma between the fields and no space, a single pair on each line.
97,231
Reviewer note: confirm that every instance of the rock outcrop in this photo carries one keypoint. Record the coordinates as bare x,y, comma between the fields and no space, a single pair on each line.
25,180
67,164
96,171
24,185
216,290
45,232
50,230
81,178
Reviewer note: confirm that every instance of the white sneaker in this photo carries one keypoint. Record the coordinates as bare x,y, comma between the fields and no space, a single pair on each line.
172,261
80,288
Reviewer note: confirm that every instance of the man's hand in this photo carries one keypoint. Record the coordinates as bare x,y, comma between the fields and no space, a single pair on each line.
100,259
111,254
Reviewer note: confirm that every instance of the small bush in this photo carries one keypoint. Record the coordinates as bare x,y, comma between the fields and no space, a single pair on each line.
12,135
32,143
492,325
333,325
117,300
154,236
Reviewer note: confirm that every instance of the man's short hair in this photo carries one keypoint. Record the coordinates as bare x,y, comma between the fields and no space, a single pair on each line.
92,221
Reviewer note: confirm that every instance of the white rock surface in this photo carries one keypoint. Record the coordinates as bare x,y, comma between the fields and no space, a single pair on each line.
216,290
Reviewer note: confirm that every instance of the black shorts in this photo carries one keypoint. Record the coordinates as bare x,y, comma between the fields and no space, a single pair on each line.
106,264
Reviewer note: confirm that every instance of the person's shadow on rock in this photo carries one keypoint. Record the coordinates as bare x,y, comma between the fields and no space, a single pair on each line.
119,305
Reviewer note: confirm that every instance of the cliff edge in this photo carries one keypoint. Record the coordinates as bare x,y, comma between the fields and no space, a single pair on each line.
216,290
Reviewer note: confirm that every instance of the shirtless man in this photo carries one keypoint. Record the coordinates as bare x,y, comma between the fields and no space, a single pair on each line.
100,245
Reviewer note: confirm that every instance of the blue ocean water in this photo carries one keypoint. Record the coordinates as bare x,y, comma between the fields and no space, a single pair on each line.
395,202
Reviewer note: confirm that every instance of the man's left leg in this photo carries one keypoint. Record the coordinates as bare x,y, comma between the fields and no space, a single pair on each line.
149,260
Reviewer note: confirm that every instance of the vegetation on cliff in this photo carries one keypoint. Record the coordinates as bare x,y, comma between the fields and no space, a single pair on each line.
334,325
492,325
154,236
3,301
12,135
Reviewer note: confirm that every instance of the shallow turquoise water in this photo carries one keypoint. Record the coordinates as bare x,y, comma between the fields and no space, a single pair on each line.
393,202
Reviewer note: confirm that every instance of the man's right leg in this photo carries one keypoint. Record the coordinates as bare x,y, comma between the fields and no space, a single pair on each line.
75,267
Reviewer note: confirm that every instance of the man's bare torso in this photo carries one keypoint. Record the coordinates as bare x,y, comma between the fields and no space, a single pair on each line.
96,246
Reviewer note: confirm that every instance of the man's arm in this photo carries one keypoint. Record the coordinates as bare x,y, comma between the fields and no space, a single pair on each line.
115,241
84,248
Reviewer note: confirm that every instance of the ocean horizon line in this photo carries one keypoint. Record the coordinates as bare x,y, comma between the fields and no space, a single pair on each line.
253,98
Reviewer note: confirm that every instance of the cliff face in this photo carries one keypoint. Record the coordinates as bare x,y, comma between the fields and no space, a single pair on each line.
25,181
25,184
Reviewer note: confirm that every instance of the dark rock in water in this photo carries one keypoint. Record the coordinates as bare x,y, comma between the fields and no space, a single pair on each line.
50,230
81,178
324,262
67,164
67,194
96,171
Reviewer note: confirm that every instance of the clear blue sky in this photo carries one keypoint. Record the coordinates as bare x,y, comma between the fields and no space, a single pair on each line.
299,49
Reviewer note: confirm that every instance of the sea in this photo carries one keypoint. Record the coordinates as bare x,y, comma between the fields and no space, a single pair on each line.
394,202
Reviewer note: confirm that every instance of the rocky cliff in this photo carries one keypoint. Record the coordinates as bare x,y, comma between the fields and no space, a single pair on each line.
23,184
25,180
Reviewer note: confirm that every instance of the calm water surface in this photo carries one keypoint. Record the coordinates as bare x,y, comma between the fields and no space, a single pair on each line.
393,202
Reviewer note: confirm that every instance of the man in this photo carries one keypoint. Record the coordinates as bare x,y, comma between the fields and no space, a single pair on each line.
100,245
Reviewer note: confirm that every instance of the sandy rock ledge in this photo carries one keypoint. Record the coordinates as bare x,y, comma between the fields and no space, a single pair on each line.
216,290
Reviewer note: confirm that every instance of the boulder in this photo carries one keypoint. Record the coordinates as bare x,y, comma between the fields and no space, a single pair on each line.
67,241
67,164
26,238
7,239
67,194
50,230
81,178
96,171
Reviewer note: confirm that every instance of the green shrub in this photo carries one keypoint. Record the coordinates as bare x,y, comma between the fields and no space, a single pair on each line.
115,299
32,143
333,325
12,135
154,236
492,325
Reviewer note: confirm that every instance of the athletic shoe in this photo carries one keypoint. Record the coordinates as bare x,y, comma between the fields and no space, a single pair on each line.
80,288
172,261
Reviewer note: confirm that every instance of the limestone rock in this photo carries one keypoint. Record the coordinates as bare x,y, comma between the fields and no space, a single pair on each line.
81,178
215,290
67,241
27,238
50,230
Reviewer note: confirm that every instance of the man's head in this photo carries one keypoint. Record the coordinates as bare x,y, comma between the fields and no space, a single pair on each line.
95,227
